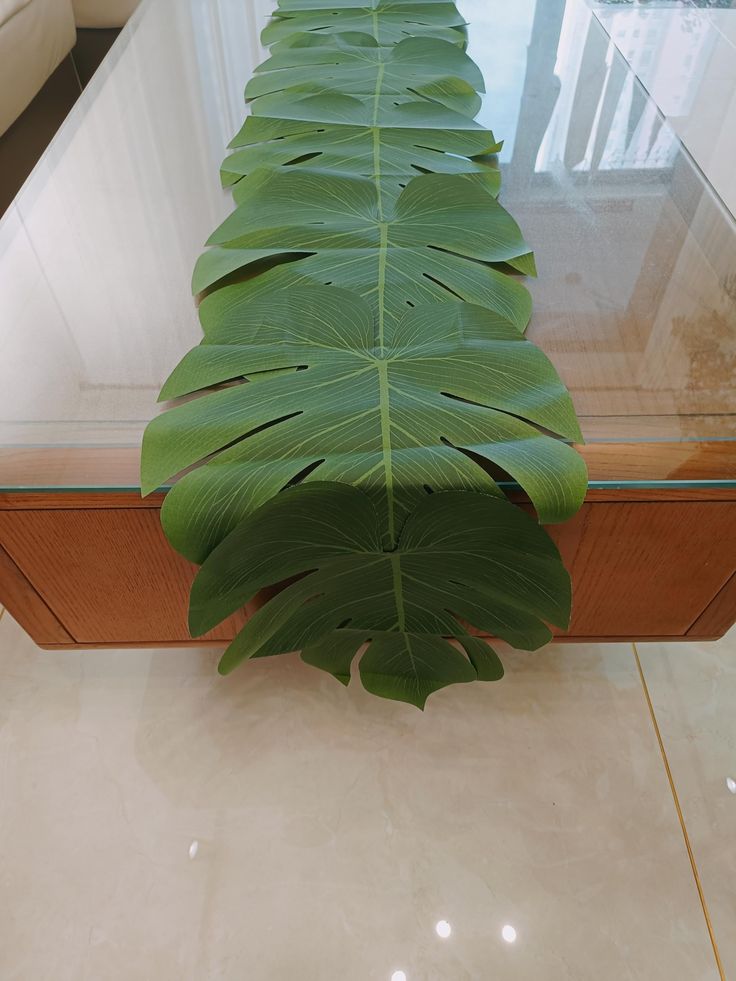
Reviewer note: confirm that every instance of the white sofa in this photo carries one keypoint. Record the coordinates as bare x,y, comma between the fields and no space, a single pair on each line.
35,37
102,13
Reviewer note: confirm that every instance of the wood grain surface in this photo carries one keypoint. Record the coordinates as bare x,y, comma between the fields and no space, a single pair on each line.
23,603
109,575
640,569
718,616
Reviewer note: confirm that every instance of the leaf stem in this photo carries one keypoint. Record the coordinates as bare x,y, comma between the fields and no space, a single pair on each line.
384,401
382,250
377,140
398,590
382,365
379,195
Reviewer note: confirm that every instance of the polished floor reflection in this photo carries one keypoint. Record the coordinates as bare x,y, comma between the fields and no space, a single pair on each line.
273,825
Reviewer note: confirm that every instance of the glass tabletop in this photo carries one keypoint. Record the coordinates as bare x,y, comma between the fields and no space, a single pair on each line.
635,302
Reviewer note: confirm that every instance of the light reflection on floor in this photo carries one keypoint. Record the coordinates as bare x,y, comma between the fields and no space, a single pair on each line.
160,821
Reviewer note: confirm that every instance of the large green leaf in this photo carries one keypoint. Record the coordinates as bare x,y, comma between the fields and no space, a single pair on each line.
354,64
388,420
459,555
295,6
417,251
388,21
342,136
397,664
364,343
416,664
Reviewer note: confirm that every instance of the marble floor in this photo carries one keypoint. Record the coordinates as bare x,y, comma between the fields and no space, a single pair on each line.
684,54
574,821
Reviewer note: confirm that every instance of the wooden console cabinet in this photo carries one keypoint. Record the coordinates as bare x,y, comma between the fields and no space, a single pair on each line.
89,570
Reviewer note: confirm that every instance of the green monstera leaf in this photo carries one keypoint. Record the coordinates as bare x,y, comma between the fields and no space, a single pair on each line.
414,665
364,387
355,65
343,136
460,557
388,21
294,6
391,420
440,238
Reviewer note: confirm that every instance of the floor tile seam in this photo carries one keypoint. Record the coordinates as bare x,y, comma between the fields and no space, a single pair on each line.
680,815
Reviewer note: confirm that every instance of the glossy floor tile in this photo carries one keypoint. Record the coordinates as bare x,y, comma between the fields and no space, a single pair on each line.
159,821
693,692
685,57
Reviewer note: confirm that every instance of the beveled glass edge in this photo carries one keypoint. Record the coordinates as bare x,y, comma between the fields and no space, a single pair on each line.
505,485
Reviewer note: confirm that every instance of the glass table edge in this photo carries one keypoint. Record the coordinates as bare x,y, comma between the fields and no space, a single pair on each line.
507,486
